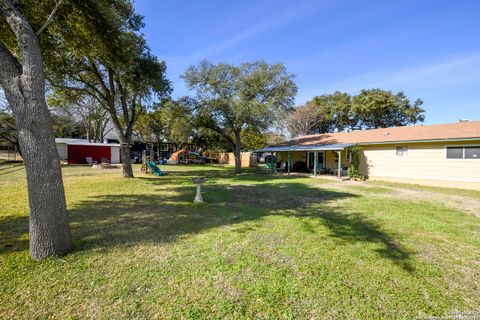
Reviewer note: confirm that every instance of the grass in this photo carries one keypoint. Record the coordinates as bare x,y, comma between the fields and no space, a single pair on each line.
417,187
260,246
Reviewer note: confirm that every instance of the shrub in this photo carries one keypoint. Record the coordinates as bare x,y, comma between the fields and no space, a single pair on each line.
354,169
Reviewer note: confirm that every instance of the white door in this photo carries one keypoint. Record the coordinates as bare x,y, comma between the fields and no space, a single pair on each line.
114,155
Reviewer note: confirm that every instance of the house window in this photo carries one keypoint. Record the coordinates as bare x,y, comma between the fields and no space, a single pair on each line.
454,152
470,152
164,147
402,151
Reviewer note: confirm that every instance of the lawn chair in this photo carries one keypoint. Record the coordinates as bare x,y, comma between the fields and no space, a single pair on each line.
90,160
283,167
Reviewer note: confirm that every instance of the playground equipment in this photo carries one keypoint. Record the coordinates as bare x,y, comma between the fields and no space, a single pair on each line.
153,168
198,182
267,163
148,165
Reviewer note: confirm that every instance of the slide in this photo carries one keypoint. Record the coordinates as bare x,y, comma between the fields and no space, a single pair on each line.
156,170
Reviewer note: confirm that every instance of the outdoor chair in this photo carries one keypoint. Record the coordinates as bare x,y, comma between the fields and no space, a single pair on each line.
90,160
271,167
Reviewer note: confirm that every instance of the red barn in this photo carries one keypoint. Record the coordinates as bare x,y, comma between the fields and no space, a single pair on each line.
79,151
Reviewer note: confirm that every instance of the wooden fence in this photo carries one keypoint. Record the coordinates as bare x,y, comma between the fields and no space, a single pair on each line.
248,158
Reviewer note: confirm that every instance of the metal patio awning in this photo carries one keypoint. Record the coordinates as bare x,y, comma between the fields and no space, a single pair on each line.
319,147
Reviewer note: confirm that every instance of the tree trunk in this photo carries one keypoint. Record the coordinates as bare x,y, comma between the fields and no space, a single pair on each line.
17,148
24,87
126,160
125,140
237,152
49,231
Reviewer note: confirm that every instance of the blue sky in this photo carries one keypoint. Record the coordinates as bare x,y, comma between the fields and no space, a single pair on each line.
428,49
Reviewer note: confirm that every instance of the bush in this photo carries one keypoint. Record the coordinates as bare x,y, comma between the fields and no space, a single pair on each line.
354,169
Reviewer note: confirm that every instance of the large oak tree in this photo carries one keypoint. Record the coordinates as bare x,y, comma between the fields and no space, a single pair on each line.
372,108
232,98
117,69
22,79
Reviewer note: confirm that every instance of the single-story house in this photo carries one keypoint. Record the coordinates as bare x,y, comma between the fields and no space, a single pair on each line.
442,152
80,151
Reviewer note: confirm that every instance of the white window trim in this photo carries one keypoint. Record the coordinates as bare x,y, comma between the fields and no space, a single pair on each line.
164,147
462,146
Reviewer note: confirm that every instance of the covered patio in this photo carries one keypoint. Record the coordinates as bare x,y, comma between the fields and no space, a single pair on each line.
321,159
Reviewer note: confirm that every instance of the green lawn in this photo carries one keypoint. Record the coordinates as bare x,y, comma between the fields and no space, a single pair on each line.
260,246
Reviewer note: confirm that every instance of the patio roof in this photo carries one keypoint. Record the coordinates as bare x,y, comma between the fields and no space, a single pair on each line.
319,147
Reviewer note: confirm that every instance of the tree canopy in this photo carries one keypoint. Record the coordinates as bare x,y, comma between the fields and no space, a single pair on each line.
232,98
169,121
374,108
116,68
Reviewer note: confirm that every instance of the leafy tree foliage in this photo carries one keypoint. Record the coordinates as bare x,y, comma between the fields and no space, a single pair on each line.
354,169
376,108
253,139
65,126
339,111
94,47
169,121
324,113
232,98
117,68
8,132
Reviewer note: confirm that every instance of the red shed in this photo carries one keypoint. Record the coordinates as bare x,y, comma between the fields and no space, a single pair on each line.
77,151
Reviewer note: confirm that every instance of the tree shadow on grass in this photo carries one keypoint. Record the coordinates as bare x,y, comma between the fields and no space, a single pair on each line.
129,219
13,230
184,177
107,221
11,169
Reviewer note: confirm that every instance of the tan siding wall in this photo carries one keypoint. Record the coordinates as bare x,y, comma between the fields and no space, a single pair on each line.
424,161
294,156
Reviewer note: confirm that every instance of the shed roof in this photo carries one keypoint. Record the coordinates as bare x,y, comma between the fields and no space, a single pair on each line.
84,142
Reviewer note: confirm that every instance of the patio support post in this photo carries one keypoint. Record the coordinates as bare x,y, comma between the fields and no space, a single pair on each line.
315,160
274,162
339,164
288,162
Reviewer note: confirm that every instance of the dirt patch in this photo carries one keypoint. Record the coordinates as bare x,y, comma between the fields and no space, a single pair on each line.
466,204
463,203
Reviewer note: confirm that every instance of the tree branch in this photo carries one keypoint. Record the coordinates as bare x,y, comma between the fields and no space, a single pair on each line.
99,76
50,18
10,76
26,37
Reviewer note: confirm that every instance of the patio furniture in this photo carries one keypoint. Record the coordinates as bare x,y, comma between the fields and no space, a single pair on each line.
283,167
90,160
